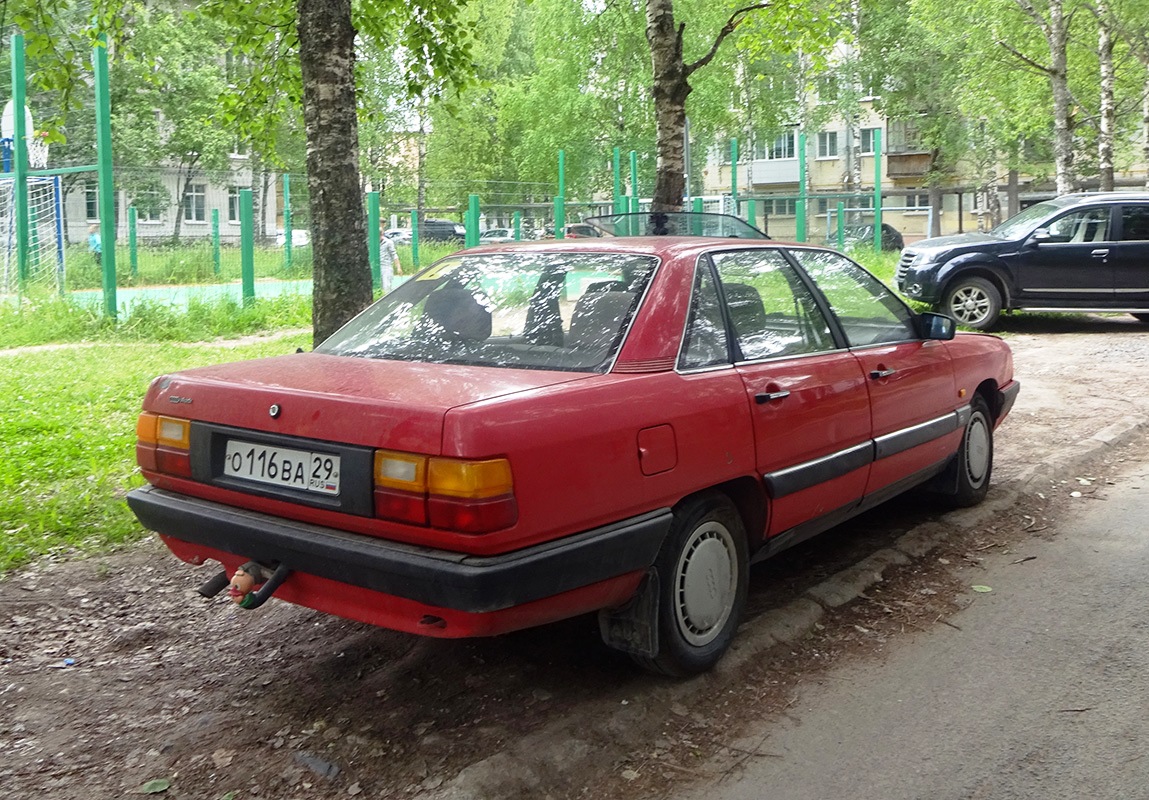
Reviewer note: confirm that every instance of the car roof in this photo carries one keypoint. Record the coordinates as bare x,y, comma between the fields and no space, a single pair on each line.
660,246
1083,198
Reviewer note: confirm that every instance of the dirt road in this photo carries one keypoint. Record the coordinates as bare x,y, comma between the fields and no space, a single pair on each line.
113,672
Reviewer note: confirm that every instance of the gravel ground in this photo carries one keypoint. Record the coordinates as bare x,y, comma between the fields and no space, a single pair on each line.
114,673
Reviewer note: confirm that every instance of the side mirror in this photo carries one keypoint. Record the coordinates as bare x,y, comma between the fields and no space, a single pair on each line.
1040,235
936,326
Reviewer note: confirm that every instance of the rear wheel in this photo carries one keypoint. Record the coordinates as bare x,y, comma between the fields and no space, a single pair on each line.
974,460
703,570
973,302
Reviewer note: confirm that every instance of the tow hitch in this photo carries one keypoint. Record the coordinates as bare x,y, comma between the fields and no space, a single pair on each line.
242,588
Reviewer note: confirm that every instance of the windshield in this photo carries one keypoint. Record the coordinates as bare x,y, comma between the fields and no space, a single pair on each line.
1025,222
560,311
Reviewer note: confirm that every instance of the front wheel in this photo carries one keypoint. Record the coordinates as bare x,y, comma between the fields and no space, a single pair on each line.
703,570
973,302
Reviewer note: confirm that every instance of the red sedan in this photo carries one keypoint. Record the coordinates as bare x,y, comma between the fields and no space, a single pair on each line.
525,433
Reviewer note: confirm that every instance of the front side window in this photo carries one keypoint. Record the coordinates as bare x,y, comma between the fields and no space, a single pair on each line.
771,311
560,311
868,141
1080,227
868,312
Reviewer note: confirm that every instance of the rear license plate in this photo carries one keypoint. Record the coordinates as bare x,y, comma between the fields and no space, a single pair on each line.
282,466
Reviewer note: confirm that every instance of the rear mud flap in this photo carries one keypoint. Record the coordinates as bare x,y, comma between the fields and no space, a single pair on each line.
633,628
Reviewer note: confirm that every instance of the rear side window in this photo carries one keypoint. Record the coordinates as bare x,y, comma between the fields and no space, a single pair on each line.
771,311
1135,223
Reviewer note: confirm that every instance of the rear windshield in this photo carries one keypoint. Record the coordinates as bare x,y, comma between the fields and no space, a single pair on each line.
560,311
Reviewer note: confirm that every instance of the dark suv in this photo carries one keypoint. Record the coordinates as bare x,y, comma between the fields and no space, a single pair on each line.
1080,252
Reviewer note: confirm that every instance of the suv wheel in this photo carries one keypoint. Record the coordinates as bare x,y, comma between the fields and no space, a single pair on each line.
973,302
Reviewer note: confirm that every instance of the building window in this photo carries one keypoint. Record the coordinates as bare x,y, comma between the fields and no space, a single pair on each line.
918,202
868,141
92,201
782,207
233,204
782,147
828,144
149,206
195,203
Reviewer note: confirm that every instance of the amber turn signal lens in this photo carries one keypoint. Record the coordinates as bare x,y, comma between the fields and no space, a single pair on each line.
469,479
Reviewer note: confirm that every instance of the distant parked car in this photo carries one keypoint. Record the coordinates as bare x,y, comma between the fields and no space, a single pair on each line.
581,231
497,236
441,230
1079,252
862,235
398,235
299,238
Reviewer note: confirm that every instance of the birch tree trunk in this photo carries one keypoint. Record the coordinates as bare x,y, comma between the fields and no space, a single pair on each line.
342,274
1108,110
669,90
1145,126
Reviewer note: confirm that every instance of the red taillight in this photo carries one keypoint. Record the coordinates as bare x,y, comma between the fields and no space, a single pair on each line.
473,516
468,496
163,444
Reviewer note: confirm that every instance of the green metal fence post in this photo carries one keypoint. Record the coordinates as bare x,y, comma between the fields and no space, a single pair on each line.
560,217
878,190
20,159
133,250
800,220
215,259
562,173
617,164
734,174
752,212
373,239
247,245
840,224
415,239
518,225
105,179
287,237
696,222
472,220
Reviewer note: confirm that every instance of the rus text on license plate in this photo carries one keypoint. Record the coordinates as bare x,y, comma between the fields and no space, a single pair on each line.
281,466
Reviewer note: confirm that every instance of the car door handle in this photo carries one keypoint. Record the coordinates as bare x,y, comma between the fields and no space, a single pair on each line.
878,374
1100,253
765,397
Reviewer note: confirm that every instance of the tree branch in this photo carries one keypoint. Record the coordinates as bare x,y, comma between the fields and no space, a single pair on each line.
1031,12
1026,59
733,22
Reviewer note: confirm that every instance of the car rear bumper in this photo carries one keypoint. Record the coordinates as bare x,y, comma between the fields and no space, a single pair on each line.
197,529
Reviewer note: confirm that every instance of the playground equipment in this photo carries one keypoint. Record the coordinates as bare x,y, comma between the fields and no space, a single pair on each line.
44,265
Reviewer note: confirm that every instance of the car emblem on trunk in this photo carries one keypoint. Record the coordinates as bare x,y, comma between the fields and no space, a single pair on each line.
274,410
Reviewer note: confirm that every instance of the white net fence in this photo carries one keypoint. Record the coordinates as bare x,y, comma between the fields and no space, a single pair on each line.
44,264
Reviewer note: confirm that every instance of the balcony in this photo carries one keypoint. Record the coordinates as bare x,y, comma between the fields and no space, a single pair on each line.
907,165
771,172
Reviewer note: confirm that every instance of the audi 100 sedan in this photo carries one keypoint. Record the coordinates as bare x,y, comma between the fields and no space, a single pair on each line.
525,433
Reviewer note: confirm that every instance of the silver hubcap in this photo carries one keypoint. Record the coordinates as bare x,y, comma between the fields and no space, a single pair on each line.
977,451
706,583
969,305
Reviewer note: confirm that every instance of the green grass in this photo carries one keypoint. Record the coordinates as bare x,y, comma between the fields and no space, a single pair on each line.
49,319
67,432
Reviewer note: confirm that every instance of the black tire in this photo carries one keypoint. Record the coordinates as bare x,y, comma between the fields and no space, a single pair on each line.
972,302
973,463
1142,318
703,570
